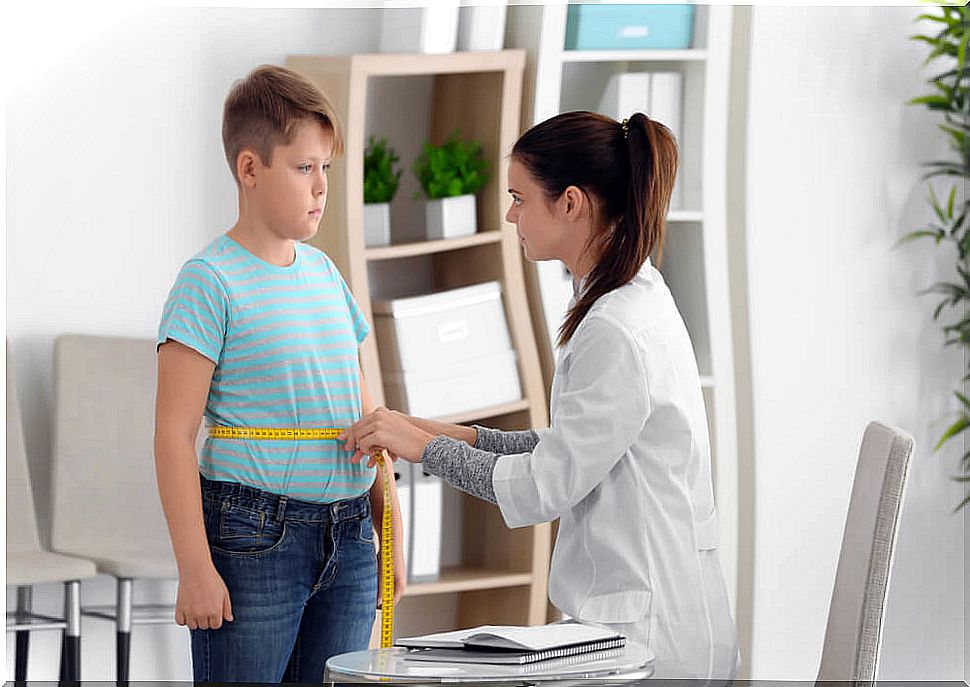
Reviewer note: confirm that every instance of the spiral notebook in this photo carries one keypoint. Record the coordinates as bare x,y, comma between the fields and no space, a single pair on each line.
512,644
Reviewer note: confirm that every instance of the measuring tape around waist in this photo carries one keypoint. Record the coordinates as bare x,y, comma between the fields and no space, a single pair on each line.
387,533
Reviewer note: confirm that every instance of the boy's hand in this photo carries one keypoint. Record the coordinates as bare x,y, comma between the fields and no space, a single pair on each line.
386,429
203,600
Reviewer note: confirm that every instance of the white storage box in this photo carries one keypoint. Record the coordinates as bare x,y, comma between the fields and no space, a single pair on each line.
429,29
430,333
455,388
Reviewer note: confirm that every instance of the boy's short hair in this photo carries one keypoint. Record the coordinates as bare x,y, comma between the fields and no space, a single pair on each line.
262,110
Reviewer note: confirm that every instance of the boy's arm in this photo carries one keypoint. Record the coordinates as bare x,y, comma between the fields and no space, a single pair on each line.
377,506
184,377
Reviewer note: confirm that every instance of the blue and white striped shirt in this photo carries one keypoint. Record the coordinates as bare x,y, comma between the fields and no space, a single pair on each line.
284,341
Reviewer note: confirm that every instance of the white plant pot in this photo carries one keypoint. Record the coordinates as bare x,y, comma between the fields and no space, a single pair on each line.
377,224
430,29
448,218
482,27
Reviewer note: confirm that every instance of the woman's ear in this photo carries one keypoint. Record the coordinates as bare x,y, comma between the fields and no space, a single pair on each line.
575,204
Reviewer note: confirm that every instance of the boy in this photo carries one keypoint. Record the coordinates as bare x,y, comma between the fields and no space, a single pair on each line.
274,539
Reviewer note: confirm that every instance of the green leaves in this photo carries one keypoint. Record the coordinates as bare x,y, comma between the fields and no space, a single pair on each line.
959,426
380,178
951,96
452,169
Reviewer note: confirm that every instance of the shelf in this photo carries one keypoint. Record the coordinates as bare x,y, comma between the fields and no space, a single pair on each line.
480,94
465,579
689,55
407,250
707,382
482,413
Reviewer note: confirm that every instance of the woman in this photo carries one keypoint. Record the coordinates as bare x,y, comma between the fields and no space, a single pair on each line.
625,464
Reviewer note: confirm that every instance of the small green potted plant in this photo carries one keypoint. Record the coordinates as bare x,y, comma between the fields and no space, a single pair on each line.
380,184
450,175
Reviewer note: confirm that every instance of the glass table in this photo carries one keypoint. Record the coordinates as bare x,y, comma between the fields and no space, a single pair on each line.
616,666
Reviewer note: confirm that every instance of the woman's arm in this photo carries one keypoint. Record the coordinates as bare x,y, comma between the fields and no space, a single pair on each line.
462,466
505,443
484,438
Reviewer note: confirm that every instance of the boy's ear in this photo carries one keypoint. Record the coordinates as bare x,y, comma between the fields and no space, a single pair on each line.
246,164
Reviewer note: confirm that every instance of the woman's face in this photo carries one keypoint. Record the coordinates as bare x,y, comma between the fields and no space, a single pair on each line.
548,230
540,233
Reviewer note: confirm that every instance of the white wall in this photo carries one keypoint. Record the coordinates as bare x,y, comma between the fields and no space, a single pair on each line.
838,335
115,176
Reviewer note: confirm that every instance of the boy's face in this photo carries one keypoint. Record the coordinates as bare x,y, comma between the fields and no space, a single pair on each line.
290,194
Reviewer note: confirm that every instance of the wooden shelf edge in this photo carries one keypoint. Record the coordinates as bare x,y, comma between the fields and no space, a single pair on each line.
407,250
645,55
482,413
464,580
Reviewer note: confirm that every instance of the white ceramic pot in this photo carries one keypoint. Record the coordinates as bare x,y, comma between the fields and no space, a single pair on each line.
448,218
377,224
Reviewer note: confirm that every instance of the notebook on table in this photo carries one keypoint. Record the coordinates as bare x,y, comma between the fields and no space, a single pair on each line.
512,644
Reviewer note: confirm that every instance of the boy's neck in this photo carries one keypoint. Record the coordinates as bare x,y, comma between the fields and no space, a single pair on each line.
263,244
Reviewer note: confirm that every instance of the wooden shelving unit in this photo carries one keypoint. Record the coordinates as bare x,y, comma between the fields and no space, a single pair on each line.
501,574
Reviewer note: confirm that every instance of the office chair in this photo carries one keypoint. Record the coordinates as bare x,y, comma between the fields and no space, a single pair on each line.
29,564
105,500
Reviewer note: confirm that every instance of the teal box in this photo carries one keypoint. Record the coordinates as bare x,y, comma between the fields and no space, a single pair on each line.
629,27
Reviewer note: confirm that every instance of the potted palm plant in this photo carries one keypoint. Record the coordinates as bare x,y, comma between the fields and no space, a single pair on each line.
450,175
950,97
380,184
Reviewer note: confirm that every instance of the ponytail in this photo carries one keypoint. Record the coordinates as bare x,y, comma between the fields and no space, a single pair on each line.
640,227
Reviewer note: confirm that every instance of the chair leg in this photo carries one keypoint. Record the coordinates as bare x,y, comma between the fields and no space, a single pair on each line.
123,642
24,607
71,639
23,649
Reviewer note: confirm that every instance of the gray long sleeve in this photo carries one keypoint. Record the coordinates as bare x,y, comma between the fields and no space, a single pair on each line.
461,465
505,443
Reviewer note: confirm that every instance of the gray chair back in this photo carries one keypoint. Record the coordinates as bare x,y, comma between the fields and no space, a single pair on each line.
22,534
104,488
854,630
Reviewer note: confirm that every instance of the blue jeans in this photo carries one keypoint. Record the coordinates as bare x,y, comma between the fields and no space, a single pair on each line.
302,580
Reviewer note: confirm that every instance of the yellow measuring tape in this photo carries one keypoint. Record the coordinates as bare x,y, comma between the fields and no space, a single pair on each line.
387,533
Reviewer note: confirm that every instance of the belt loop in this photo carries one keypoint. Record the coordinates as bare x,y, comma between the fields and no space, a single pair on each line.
280,508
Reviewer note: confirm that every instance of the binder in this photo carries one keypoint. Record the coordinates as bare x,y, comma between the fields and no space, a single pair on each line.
426,511
512,644
402,479
625,94
666,106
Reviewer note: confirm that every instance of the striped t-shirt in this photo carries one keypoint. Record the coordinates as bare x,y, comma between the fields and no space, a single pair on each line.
284,341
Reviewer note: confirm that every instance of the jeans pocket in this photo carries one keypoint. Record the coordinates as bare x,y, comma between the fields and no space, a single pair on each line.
365,529
240,531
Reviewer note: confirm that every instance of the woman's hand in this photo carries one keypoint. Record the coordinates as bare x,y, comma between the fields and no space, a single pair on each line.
389,430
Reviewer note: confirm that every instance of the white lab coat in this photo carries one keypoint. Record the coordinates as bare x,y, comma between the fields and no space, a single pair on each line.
626,467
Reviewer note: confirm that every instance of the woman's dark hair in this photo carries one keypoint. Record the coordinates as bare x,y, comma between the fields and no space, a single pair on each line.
628,169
